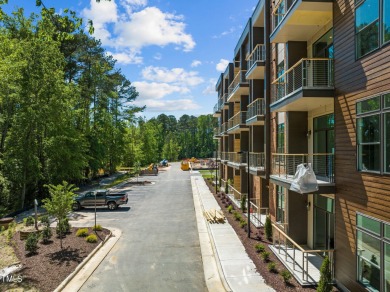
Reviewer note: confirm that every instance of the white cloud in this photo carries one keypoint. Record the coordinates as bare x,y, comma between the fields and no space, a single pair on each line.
157,56
128,57
155,90
176,76
225,33
196,63
221,66
210,89
169,105
129,32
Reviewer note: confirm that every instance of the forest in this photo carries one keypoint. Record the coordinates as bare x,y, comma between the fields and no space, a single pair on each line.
67,111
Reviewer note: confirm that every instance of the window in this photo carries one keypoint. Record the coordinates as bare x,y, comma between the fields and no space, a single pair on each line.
373,249
373,134
281,205
368,19
280,139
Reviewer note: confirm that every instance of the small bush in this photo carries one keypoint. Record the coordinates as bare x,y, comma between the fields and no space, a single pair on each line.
237,216
325,283
29,221
286,275
243,203
260,247
243,223
46,234
32,243
45,220
265,256
92,238
82,232
2,229
268,228
230,208
97,227
64,226
272,267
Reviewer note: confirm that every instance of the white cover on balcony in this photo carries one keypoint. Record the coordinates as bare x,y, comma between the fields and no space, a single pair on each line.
305,180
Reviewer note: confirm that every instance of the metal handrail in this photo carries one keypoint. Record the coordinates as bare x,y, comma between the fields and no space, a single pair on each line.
308,73
239,78
285,165
236,120
257,55
256,108
235,157
237,194
257,159
305,252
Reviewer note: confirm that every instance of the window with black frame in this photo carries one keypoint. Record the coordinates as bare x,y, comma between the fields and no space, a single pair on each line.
371,17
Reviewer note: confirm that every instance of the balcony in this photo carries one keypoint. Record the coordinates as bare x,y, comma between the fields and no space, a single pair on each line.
256,63
218,108
225,104
256,112
237,123
307,85
299,20
283,168
256,163
238,87
237,160
304,264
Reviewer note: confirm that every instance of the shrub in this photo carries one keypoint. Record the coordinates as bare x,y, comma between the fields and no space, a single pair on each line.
46,234
45,220
243,203
29,221
2,229
97,227
265,256
243,223
286,275
325,283
32,243
82,232
271,267
237,216
92,238
259,247
230,208
64,227
268,228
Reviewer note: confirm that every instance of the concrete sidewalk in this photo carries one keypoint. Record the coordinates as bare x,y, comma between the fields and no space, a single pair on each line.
222,250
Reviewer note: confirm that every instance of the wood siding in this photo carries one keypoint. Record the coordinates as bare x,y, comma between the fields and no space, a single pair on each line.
355,191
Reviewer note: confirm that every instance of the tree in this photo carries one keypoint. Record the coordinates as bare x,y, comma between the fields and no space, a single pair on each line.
325,283
60,202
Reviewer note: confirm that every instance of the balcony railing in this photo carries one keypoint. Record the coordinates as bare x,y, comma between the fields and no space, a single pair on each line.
306,74
218,105
257,55
256,108
236,194
238,158
239,78
225,156
285,165
257,160
303,263
238,119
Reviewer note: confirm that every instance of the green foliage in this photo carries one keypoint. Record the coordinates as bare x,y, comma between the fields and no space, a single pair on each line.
271,267
29,221
97,227
92,238
265,256
46,234
63,227
45,220
268,228
31,244
243,223
2,229
325,283
286,275
243,203
230,208
259,247
82,232
237,216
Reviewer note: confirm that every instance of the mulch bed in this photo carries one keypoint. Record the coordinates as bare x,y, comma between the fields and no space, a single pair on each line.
46,269
257,236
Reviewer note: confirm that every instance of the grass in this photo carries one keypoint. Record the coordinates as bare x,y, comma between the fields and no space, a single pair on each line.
207,174
7,254
119,180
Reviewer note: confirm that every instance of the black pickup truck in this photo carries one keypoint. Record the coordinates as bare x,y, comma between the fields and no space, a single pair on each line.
100,198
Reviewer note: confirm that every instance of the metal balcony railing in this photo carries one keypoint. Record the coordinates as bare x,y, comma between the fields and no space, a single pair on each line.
257,55
217,155
225,156
224,128
237,194
256,108
285,165
238,158
238,119
306,74
257,160
238,79
257,214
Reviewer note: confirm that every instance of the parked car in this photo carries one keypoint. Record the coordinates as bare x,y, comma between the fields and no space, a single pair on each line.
100,198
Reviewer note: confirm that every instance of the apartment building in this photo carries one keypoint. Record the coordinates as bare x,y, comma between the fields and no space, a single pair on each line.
309,83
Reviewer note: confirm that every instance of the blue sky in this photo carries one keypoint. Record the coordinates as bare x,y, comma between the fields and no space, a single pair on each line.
172,51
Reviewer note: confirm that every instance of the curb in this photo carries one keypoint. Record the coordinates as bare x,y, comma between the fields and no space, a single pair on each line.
75,273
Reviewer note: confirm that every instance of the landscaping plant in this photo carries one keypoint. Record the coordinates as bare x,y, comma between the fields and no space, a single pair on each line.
265,256
237,216
97,227
271,267
45,220
82,232
243,203
46,234
243,223
32,243
92,238
268,228
29,221
230,208
260,247
286,275
325,283
63,227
